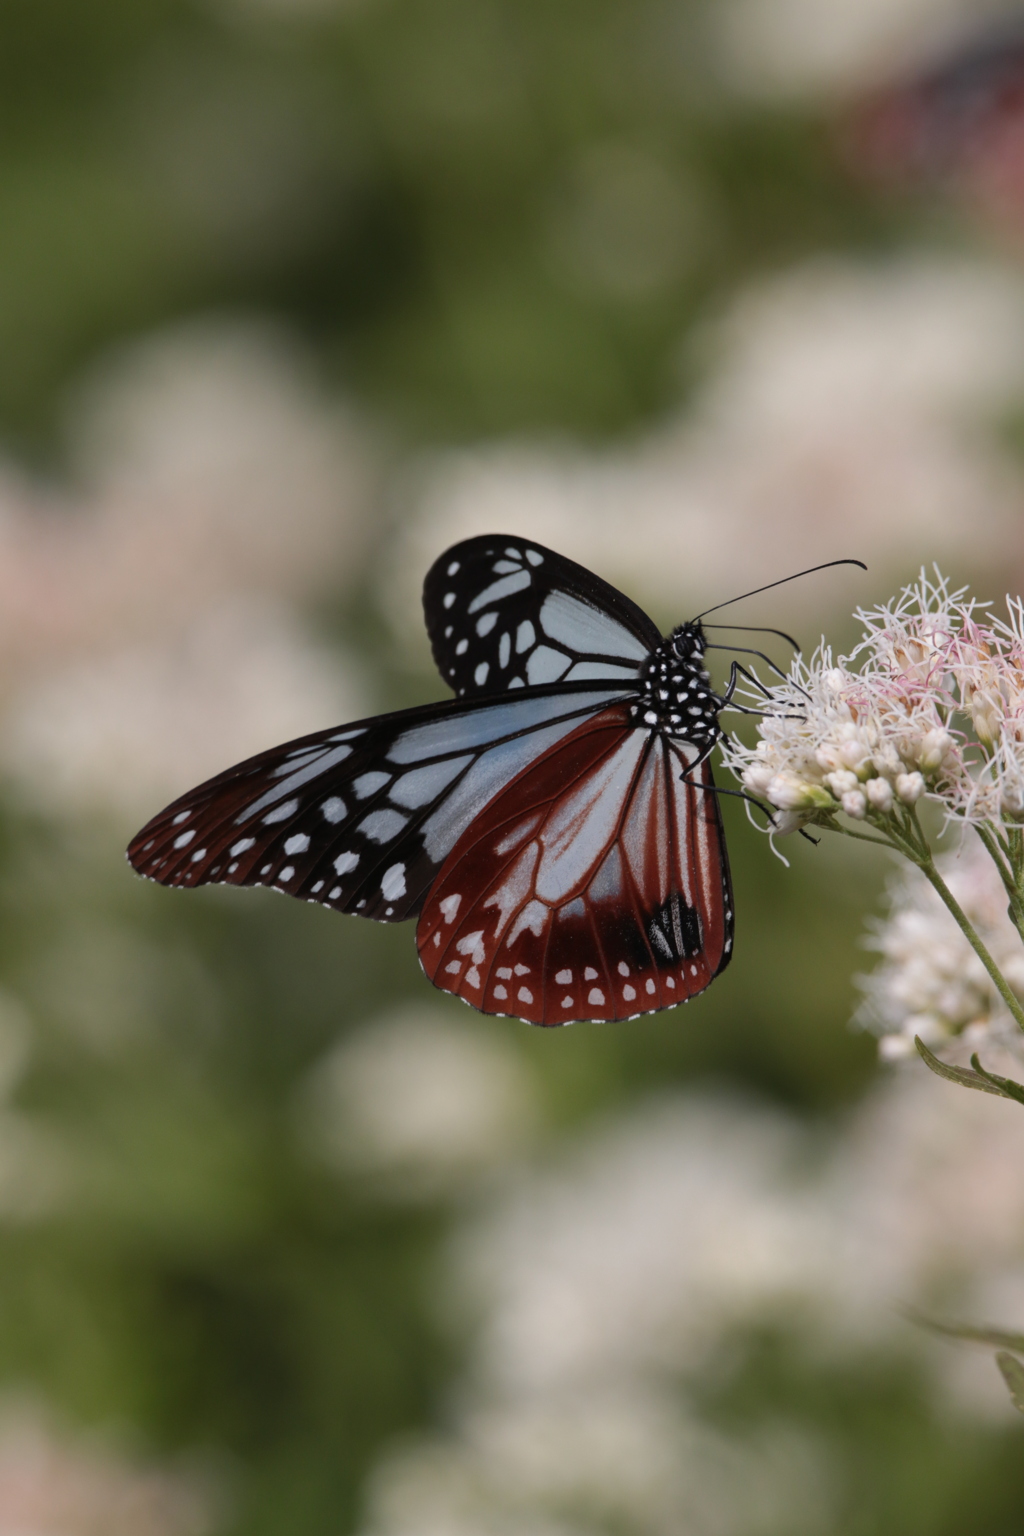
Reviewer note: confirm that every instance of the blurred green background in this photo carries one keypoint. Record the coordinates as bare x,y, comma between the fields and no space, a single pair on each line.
425,235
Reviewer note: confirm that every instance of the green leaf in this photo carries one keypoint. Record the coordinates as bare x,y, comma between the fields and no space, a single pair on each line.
974,1076
1013,1375
1004,1085
1002,1338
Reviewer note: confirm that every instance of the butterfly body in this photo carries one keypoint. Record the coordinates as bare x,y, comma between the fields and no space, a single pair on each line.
554,828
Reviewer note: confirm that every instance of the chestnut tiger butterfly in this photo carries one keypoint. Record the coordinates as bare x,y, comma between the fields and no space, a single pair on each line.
554,828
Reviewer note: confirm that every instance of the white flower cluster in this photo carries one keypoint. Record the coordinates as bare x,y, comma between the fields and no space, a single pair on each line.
931,983
931,701
611,1284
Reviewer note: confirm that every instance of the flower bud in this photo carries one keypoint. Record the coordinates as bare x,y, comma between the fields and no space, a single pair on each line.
827,757
791,793
757,778
786,822
986,716
933,749
879,795
855,754
910,787
885,760
841,782
854,804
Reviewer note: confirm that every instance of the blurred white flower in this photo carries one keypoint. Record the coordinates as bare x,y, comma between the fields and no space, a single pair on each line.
651,1241
611,1283
678,1225
51,1485
208,465
838,417
420,1102
809,47
627,1458
930,982
129,730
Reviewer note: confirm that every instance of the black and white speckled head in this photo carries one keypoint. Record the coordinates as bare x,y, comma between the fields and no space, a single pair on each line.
675,690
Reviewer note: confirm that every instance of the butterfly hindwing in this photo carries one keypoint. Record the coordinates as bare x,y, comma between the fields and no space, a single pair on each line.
594,886
504,612
360,817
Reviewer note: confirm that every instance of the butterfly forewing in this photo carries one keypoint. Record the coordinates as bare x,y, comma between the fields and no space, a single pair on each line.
505,612
360,817
594,886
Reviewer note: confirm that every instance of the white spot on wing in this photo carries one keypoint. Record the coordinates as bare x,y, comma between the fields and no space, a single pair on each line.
242,846
485,623
287,872
524,995
501,993
453,568
462,648
181,816
595,997
449,598
281,813
310,770
504,650
472,945
450,906
563,978
383,825
590,974
345,863
499,589
588,671
576,624
200,853
534,558
422,785
526,636
623,968
533,917
368,783
393,884
480,675
297,844
544,665
629,993
184,839
334,810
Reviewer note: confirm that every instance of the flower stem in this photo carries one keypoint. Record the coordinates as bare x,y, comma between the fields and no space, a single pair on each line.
926,865
1003,855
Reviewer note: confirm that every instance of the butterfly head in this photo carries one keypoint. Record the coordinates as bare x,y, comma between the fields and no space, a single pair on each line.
675,690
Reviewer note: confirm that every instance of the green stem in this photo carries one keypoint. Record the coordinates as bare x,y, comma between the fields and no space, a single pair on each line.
927,867
998,859
1003,857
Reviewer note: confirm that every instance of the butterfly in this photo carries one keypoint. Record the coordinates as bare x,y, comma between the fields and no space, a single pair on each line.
554,828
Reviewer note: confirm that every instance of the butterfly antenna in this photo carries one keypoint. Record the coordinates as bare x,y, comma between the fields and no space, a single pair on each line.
758,629
795,577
